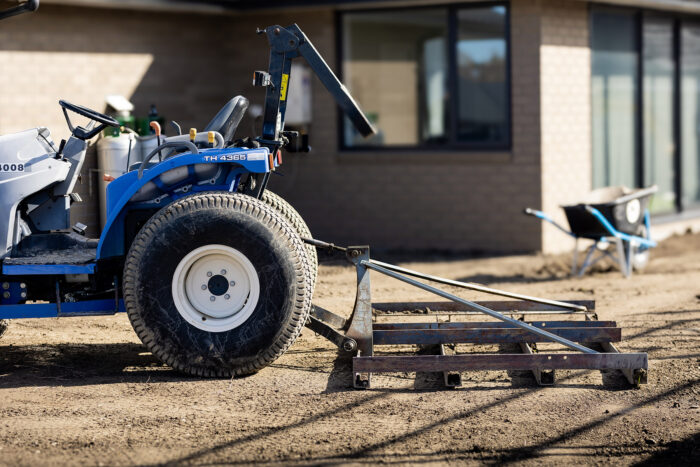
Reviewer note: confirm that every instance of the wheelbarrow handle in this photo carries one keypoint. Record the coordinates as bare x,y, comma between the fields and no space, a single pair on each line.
543,216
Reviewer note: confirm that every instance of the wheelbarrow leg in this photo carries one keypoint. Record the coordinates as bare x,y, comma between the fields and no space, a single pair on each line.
622,259
574,264
586,261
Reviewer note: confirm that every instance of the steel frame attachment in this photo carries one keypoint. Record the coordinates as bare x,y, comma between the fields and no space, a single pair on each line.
361,333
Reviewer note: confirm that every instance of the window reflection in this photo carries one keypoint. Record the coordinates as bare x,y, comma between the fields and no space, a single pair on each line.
481,70
397,65
690,114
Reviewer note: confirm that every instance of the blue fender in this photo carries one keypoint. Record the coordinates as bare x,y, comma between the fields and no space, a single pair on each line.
122,189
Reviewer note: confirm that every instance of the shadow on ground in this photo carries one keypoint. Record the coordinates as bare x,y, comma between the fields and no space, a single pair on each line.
80,365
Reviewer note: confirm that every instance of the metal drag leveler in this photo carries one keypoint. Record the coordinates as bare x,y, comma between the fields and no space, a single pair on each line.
365,330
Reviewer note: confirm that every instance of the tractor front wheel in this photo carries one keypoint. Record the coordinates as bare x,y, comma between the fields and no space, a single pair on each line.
216,284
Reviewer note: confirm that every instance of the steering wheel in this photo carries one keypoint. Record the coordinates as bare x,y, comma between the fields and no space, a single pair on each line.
80,132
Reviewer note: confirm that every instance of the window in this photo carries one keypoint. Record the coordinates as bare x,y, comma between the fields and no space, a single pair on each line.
404,65
690,115
645,81
614,90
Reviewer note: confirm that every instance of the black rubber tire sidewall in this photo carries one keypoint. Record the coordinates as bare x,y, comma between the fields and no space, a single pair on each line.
295,219
201,220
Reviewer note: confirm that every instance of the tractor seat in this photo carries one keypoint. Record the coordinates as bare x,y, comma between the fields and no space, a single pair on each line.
228,118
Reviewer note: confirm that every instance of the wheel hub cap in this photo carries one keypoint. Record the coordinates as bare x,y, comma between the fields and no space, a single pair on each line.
218,285
215,288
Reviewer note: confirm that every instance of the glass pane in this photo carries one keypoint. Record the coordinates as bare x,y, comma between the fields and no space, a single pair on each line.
690,114
481,70
395,64
614,103
659,148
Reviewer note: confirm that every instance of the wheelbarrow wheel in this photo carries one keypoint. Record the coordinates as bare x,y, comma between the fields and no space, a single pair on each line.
640,254
295,219
215,285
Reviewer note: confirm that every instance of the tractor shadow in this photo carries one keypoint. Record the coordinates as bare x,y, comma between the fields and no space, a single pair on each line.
81,365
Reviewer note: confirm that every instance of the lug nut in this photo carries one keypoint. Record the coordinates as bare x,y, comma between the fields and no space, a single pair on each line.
23,295
6,295
5,285
227,296
233,283
22,285
223,272
212,298
209,274
204,286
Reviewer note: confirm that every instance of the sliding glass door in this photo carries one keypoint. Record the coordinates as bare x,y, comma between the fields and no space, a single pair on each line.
690,114
614,87
645,90
658,103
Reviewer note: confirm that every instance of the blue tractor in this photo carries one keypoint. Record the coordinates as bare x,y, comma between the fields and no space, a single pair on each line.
209,266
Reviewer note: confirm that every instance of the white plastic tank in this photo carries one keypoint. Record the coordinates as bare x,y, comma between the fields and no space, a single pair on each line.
114,154
146,144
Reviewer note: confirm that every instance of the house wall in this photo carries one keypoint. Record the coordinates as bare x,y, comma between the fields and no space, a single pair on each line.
179,62
565,97
414,200
189,65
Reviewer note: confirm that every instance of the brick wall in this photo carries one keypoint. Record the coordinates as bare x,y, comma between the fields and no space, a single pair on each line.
565,64
426,200
182,63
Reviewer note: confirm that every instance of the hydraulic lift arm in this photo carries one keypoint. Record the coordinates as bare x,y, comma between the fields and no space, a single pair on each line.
287,44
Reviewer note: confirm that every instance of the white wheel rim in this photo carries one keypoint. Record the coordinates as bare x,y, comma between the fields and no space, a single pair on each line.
215,288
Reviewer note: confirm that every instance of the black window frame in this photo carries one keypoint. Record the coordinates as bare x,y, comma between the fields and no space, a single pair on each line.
452,83
678,20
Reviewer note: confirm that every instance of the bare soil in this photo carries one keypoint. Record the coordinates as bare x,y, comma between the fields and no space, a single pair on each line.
85,391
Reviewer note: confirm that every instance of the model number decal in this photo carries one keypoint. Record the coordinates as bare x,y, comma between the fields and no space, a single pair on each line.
12,168
254,156
226,158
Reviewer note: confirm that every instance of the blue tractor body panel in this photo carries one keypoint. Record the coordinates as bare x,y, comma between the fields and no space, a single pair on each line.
236,162
121,190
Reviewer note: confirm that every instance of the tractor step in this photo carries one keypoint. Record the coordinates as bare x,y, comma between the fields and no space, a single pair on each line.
54,253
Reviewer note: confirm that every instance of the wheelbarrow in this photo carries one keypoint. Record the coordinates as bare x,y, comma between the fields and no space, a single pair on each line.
616,219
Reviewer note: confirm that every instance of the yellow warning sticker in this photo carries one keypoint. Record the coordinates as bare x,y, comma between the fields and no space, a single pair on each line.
283,90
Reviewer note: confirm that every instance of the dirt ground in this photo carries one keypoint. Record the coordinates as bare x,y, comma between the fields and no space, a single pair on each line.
84,391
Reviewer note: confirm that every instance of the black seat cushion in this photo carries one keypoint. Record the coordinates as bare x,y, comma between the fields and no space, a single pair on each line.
228,118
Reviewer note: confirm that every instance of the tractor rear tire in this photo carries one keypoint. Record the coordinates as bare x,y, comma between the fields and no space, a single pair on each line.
216,285
295,219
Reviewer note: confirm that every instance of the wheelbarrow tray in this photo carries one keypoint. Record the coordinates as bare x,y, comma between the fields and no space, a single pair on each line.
623,207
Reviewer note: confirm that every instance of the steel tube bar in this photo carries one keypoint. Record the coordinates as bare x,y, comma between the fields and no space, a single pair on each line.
447,313
450,379
489,336
477,287
436,363
492,324
543,378
488,311
516,306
